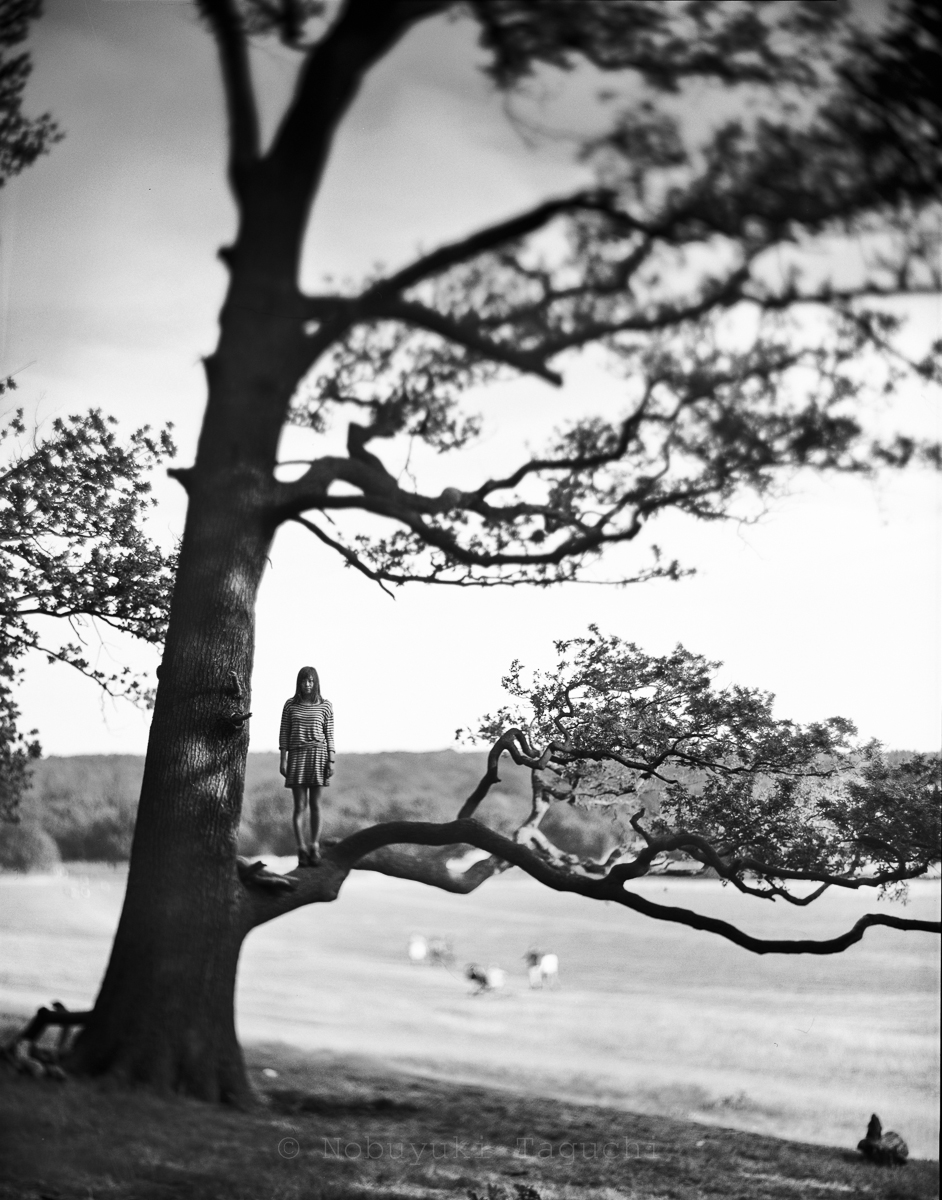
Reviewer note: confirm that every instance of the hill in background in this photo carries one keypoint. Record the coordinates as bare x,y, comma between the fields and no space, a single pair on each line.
82,808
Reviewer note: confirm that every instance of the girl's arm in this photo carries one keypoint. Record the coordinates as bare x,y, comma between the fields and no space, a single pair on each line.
329,736
284,736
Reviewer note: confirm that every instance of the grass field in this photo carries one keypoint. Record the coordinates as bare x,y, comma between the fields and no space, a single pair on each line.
650,1018
336,1128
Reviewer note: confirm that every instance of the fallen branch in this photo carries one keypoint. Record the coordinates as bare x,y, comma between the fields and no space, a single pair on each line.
23,1052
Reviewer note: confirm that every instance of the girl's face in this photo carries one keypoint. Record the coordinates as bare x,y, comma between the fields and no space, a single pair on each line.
307,687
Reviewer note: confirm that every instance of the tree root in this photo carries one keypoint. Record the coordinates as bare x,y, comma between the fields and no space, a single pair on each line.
24,1053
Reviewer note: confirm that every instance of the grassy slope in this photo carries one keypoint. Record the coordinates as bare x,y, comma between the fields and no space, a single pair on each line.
650,1018
75,1140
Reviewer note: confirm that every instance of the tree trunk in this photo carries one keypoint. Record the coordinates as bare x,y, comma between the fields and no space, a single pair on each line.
164,1015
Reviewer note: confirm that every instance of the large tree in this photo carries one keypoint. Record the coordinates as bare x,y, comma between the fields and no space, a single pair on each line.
685,266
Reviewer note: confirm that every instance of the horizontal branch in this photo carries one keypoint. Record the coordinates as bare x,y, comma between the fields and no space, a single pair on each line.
467,578
442,869
835,945
463,333
340,859
703,851
345,553
490,238
105,682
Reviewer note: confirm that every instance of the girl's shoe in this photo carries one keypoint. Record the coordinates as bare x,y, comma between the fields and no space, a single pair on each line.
313,855
304,857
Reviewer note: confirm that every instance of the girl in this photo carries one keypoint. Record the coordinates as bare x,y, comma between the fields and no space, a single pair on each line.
306,742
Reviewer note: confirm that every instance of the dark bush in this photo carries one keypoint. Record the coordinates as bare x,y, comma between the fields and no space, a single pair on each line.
26,847
106,838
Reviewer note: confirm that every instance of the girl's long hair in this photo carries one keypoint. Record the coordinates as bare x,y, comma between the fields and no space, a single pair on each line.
307,673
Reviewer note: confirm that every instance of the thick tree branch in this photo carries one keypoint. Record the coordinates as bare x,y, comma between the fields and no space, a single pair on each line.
515,743
442,869
436,853
363,33
382,497
704,851
464,333
492,237
237,82
339,860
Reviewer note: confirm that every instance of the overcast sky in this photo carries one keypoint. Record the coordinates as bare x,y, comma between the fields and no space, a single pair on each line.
110,286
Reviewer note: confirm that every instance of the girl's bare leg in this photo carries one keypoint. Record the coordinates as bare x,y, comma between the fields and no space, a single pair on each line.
315,798
300,795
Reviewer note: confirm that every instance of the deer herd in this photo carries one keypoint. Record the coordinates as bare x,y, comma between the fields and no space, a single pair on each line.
542,968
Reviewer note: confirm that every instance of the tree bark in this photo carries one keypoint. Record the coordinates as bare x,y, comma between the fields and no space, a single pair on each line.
164,1015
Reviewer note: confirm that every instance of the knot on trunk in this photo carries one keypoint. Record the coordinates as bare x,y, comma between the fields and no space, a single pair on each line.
233,720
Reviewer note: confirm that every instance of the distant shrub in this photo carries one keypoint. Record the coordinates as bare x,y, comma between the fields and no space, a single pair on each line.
26,847
266,821
402,786
106,838
87,803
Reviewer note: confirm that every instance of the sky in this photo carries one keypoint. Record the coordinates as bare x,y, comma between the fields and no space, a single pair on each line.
109,290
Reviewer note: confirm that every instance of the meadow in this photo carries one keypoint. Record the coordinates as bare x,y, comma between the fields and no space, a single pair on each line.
649,1019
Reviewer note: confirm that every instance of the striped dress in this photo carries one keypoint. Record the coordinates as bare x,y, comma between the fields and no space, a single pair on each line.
307,733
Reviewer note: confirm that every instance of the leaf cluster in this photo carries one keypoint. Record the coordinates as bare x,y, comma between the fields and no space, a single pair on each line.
891,811
404,383
664,43
287,20
72,546
22,139
763,802
609,703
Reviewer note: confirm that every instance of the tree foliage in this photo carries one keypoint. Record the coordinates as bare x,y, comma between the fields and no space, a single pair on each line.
22,139
72,547
58,515
762,802
685,269
688,266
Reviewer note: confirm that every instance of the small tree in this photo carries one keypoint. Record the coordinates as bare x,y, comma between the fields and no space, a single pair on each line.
72,547
682,267
70,504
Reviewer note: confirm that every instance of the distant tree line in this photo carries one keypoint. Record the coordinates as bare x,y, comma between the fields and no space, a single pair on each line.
82,808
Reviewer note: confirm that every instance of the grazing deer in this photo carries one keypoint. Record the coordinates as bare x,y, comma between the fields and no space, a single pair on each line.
491,979
542,968
418,949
